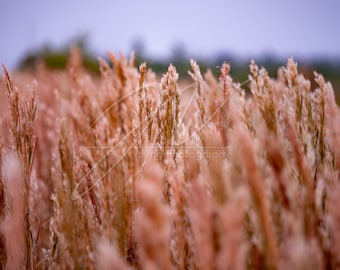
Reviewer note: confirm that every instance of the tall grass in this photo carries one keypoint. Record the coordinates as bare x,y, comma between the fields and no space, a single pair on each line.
126,171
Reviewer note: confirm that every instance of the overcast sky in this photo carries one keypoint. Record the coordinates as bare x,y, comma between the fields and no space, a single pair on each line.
244,27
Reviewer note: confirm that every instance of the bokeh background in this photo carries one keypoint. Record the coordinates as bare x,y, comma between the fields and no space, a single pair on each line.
174,31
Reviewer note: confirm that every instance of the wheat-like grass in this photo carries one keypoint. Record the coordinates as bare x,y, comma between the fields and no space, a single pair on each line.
125,171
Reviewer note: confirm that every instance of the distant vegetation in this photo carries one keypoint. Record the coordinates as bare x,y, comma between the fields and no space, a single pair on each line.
56,58
53,58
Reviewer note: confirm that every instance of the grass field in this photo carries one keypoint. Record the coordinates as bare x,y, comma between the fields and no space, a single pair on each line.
132,171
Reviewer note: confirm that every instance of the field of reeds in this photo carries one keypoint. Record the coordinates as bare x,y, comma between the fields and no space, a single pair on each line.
132,171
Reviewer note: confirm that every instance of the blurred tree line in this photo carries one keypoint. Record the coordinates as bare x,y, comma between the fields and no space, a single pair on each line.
58,58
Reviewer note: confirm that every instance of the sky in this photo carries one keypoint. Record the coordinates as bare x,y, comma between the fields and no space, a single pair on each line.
246,28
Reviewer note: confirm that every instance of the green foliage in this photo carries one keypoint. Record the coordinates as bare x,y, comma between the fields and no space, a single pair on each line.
54,58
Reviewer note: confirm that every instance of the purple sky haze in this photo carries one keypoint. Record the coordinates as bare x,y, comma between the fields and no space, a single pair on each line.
244,27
